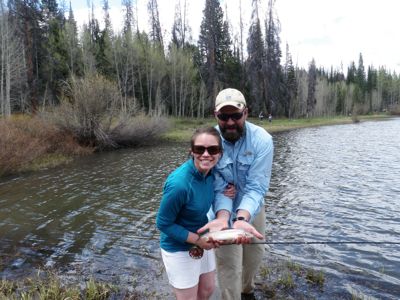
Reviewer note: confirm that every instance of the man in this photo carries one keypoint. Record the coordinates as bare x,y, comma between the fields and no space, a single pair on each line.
246,165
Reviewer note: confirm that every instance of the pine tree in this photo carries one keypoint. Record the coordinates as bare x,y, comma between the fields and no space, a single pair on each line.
12,66
351,73
54,68
180,28
255,62
155,31
104,54
312,83
72,45
214,46
274,87
129,20
27,17
290,83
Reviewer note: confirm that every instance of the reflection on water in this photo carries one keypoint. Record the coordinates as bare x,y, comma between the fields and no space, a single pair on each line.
96,215
340,183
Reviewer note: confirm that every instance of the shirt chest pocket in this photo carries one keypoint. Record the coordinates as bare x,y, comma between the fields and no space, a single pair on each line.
243,166
224,168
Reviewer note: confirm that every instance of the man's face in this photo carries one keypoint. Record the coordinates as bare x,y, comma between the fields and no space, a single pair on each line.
231,122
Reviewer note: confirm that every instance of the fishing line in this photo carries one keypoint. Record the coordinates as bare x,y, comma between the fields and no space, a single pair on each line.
324,243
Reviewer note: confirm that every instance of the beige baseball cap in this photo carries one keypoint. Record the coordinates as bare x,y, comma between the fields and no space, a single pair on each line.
230,97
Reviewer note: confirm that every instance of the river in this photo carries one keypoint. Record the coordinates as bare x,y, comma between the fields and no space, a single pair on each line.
96,215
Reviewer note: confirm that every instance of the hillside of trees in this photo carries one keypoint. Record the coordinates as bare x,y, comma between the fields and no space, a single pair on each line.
42,52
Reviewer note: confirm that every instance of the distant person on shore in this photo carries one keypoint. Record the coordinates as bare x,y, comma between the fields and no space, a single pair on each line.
246,164
270,118
261,116
187,197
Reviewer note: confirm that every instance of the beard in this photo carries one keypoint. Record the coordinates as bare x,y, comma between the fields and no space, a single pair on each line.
232,135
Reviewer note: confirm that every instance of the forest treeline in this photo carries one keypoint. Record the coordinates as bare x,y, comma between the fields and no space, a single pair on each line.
42,54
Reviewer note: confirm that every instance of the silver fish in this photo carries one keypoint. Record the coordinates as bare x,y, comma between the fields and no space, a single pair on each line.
226,236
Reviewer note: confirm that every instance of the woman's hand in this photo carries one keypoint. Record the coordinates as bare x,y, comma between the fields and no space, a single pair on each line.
207,244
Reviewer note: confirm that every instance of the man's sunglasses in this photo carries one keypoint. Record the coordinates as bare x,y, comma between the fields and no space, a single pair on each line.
212,150
234,117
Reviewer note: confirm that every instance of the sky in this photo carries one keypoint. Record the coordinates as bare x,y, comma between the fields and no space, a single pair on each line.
332,32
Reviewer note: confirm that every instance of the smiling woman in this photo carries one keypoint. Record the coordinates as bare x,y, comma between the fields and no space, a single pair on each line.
187,197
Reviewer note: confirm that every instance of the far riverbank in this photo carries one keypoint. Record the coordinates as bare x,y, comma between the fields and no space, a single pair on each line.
182,129
32,144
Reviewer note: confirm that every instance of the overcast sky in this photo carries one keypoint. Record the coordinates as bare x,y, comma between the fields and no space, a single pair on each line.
333,32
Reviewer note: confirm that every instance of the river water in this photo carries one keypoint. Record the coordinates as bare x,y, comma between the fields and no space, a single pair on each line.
96,216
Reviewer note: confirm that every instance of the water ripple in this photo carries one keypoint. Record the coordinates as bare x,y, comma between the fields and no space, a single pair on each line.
336,183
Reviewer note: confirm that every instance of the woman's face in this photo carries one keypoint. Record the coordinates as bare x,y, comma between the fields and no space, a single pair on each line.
206,152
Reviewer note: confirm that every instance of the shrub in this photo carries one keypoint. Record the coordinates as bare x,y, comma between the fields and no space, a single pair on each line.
394,109
27,139
139,130
87,109
92,110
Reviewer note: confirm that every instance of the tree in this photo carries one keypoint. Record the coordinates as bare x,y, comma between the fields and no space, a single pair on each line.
255,62
26,15
274,87
129,20
290,82
182,76
154,19
74,53
104,54
214,47
312,82
54,67
180,28
351,73
360,74
12,66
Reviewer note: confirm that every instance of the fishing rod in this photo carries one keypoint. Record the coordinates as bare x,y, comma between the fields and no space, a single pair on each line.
324,243
197,252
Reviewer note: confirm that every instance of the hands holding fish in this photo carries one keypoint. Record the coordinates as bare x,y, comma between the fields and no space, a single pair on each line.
217,232
247,227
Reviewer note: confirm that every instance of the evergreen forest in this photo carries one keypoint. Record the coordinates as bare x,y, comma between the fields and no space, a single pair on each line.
44,58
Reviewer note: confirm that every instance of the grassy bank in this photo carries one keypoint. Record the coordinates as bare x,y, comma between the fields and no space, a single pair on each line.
29,144
32,144
277,279
48,286
182,129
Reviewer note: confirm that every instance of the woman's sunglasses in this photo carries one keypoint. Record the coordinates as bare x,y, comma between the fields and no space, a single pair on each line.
234,116
212,150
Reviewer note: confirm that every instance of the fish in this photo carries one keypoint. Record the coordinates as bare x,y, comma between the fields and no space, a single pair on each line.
226,236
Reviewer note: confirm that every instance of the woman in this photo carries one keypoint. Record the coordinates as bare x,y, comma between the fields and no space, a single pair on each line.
187,197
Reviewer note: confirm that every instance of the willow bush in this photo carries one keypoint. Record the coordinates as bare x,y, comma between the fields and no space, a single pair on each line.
26,140
93,109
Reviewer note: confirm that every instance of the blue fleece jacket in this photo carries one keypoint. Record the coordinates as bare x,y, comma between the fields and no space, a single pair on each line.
187,197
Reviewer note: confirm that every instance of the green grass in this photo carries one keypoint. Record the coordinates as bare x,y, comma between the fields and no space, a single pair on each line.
285,279
48,148
48,286
183,128
315,278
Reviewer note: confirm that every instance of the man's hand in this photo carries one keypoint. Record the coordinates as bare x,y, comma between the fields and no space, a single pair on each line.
214,225
230,191
241,224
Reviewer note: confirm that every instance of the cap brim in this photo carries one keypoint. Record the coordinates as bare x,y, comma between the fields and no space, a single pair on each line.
229,103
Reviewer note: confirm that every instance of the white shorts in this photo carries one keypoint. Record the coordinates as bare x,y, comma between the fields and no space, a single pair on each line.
184,271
